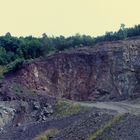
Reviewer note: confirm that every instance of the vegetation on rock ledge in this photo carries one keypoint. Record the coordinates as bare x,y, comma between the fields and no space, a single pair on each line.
14,48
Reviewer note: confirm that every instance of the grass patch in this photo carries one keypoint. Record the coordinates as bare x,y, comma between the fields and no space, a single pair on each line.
67,108
2,71
104,127
47,134
11,67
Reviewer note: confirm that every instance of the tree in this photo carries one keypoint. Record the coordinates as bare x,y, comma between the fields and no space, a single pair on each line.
3,56
122,26
8,34
122,32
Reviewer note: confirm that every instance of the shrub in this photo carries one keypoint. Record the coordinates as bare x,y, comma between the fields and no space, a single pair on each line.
14,66
67,108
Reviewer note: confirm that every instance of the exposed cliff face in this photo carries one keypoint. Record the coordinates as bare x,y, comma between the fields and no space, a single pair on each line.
108,70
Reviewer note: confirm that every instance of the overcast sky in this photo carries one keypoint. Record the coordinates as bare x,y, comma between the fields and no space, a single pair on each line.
66,17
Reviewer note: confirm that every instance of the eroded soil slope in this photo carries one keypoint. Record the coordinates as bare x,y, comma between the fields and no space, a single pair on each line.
105,71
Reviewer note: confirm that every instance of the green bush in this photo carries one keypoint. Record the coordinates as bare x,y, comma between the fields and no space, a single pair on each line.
67,108
14,66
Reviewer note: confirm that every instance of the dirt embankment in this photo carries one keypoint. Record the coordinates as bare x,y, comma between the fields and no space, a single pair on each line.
108,71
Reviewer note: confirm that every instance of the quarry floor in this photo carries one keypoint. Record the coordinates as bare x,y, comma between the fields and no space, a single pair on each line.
83,125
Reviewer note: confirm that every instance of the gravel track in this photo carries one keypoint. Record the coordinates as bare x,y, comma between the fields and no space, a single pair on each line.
29,131
120,107
78,123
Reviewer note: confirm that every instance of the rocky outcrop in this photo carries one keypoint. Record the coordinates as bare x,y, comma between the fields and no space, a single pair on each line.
6,115
109,70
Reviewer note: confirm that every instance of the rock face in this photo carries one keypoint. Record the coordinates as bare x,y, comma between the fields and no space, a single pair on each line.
6,115
109,70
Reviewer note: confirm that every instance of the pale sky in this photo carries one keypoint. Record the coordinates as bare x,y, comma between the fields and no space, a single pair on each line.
66,17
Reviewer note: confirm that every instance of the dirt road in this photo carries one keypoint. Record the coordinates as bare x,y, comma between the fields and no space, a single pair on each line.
31,130
120,107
